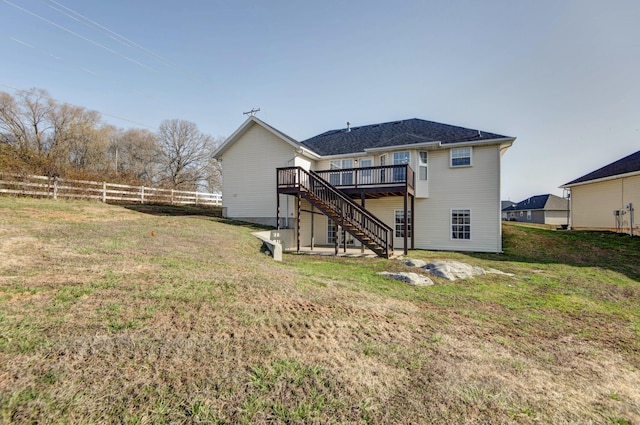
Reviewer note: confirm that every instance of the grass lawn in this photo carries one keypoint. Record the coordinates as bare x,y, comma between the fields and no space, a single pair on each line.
111,314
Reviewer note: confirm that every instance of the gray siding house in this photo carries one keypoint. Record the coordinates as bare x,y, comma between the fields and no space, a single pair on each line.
540,209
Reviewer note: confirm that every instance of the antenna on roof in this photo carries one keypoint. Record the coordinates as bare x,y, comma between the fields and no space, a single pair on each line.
348,126
252,112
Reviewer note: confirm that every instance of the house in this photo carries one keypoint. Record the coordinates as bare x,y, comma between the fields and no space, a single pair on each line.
540,209
606,199
398,185
506,204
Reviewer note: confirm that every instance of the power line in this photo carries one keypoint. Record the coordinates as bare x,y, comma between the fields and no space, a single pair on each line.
95,43
75,65
114,35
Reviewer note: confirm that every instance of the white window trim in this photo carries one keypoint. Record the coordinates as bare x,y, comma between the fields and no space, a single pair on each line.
395,212
408,160
451,224
461,166
424,164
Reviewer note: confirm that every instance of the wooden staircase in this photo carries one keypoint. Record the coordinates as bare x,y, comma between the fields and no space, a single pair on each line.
352,217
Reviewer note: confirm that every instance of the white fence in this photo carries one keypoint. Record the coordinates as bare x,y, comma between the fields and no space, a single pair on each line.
48,187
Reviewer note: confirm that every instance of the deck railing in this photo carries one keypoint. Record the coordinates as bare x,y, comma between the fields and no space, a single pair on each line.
368,177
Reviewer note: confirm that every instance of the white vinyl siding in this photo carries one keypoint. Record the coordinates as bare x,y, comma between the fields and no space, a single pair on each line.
477,188
592,204
249,170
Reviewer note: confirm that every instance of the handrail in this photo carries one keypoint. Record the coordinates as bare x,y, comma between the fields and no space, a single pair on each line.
383,175
348,211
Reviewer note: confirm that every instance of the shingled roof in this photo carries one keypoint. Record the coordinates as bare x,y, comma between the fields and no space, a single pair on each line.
395,133
540,202
628,164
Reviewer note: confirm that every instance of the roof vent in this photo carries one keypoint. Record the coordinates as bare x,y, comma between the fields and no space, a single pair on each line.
348,127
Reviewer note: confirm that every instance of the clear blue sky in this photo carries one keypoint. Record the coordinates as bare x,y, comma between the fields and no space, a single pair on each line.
562,76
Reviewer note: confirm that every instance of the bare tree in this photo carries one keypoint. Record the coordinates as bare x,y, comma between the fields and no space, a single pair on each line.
183,154
78,141
13,131
133,153
25,118
213,178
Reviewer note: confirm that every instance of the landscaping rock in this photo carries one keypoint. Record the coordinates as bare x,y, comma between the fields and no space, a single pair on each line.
453,270
415,263
494,271
410,278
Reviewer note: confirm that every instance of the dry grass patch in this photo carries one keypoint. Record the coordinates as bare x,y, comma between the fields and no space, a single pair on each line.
102,322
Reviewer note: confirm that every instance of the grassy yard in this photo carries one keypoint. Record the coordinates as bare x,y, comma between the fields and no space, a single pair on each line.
161,315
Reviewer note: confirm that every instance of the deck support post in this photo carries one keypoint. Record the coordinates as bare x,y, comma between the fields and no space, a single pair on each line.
362,198
406,227
413,232
298,221
277,211
313,214
344,239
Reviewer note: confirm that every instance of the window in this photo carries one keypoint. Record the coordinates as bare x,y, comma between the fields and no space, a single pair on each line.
460,224
400,158
461,157
423,165
399,223
366,176
341,178
333,232
383,172
332,229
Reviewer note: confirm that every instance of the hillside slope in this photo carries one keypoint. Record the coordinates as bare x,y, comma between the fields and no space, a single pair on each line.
109,314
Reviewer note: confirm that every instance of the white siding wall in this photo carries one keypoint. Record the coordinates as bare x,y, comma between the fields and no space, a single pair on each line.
303,162
556,217
249,176
592,204
476,188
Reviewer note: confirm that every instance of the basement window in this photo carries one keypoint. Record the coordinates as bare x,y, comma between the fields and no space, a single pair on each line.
399,223
461,224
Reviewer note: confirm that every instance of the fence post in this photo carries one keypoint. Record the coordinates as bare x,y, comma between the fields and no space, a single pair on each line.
104,192
142,194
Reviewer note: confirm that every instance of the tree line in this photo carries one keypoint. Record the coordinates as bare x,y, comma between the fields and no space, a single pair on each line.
39,135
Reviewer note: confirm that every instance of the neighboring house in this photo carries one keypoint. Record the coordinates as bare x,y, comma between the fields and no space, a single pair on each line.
504,205
404,184
606,199
541,209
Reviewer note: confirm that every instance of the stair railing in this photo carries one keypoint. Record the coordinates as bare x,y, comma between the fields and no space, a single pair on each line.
347,212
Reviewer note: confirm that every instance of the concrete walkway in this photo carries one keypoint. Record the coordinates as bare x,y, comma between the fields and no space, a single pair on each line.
330,251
